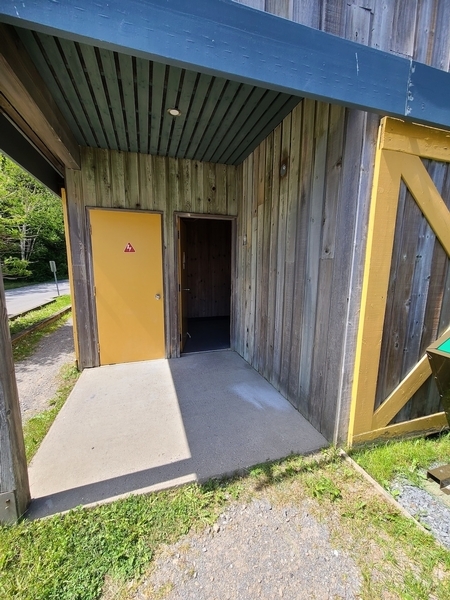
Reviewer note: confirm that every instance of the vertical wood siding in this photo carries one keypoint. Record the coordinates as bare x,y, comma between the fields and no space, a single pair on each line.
294,270
298,277
417,310
121,180
321,297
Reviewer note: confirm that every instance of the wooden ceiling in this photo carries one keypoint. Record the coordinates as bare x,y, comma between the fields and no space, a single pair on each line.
116,101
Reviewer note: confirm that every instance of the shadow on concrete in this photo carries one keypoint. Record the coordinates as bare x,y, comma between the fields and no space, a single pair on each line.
141,427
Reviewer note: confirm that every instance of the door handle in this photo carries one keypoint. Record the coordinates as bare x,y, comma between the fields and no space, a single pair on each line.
158,296
186,289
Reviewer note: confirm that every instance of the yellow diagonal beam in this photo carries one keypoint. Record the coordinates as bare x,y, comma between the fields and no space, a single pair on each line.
427,197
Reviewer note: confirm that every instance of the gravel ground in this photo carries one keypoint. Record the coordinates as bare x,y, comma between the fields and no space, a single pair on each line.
36,376
254,551
426,508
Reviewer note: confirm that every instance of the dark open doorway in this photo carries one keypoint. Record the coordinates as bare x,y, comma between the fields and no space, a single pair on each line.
204,284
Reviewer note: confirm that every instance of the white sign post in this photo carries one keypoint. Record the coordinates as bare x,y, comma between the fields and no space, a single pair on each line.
53,270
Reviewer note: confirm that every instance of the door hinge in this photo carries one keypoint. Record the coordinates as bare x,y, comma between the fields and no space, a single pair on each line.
178,235
95,291
179,287
98,347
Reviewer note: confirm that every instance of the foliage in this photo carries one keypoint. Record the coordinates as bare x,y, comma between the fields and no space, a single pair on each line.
40,314
68,556
36,428
31,225
16,266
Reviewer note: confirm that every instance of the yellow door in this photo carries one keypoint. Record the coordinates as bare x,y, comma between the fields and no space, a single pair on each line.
128,279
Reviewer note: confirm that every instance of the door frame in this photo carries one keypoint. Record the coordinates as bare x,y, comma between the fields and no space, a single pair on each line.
90,264
189,215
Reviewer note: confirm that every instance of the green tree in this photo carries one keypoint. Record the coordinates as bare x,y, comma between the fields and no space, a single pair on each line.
31,225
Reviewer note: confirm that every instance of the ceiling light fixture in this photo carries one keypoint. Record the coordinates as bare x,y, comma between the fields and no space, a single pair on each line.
174,112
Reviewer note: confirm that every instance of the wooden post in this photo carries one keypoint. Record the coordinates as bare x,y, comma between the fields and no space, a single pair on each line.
14,486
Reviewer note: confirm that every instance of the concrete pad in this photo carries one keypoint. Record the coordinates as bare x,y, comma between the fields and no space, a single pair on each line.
140,427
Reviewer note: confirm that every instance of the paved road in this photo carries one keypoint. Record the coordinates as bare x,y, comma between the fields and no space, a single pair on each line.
29,297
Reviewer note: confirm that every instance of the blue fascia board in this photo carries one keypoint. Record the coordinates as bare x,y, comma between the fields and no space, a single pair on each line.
223,38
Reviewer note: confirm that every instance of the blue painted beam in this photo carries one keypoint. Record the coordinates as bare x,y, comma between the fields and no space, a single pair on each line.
227,39
18,148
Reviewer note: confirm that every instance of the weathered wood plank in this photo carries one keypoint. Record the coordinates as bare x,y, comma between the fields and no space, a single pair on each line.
398,294
351,313
427,197
303,219
312,257
402,393
23,86
280,299
13,462
82,283
273,257
291,239
265,266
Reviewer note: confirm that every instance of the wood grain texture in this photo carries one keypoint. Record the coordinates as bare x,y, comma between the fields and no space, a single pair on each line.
413,299
424,425
22,85
131,181
300,238
13,462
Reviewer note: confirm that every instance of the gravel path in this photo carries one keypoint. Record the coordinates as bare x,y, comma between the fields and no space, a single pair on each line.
255,551
427,509
36,376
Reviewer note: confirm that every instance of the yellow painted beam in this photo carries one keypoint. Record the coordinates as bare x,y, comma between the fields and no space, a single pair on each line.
427,197
429,424
402,393
380,241
415,139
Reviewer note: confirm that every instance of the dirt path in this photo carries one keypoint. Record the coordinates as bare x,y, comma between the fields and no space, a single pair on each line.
255,551
36,376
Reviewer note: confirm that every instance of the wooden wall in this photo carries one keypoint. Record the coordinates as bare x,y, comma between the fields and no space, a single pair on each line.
295,271
112,179
322,341
208,264
415,28
418,301
299,275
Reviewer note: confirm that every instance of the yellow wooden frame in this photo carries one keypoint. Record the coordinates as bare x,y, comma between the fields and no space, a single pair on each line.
400,148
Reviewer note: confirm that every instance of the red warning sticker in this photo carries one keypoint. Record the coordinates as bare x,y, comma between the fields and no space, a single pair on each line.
129,248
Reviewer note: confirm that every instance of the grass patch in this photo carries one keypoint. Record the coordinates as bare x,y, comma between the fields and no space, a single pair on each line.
405,458
36,316
382,542
84,553
70,556
25,347
36,428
